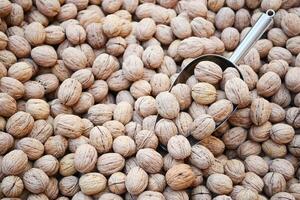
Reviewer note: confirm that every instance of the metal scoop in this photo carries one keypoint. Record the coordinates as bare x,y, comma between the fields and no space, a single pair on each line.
253,35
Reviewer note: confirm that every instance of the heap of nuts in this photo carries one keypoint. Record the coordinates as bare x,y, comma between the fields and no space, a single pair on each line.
83,81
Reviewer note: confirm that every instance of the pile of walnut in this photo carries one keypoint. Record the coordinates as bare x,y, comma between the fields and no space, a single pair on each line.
83,80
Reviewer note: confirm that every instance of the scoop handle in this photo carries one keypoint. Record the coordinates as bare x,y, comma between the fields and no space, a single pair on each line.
262,24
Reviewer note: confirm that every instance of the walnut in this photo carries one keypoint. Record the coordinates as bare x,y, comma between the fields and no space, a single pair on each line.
201,157
35,180
14,162
167,105
92,183
283,167
136,181
235,170
190,47
273,149
56,146
274,183
180,177
237,92
248,148
204,93
110,163
12,186
260,111
219,184
85,158
20,124
68,125
32,147
116,183
124,145
68,186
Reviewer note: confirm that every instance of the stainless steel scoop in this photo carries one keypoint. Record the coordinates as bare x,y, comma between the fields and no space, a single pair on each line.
253,35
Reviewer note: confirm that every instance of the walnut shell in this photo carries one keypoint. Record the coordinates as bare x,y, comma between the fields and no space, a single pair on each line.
12,186
201,157
68,125
20,124
14,162
35,180
149,160
92,183
110,163
32,147
85,158
136,181
219,184
44,56
180,177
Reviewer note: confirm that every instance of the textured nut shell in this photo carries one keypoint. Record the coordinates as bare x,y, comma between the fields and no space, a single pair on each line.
201,157
35,180
14,162
237,92
167,105
92,183
204,93
110,163
219,183
20,124
85,158
32,147
180,177
44,56
136,181
67,125
149,160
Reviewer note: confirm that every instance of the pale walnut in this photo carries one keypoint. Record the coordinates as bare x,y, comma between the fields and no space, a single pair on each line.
12,86
202,27
220,110
8,105
66,165
284,167
180,177
20,124
12,186
32,147
153,56
167,105
35,180
237,92
145,139
136,181
18,45
160,83
44,56
124,145
235,170
48,163
261,132
204,93
68,125
164,130
197,128
110,163
179,147
85,158
274,183
191,47
92,183
86,78
273,149
291,81
101,139
183,121
201,157
248,148
260,111
68,186
219,184
209,72
74,59
289,24
56,146
38,109
157,182
181,27
224,18
116,183
182,93
282,133
14,162
100,113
